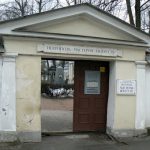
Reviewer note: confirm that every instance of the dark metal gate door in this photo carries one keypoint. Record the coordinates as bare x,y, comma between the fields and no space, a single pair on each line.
91,95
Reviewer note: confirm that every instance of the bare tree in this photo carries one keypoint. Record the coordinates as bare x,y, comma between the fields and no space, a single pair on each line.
26,7
21,6
149,21
47,4
41,4
16,9
137,10
106,5
129,10
145,9
138,13
141,17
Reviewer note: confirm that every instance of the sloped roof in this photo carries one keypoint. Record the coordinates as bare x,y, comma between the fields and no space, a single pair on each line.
11,27
86,4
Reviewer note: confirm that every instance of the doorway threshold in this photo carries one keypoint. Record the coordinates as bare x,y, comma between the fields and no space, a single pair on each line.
55,133
50,133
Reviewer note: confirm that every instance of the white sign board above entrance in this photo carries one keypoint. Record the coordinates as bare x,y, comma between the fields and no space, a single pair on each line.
78,50
126,87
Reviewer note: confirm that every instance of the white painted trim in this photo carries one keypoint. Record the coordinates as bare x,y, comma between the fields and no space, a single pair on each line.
10,55
147,91
1,61
140,115
8,95
75,38
111,96
141,63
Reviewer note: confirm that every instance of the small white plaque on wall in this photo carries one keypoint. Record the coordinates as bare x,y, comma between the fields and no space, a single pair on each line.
126,87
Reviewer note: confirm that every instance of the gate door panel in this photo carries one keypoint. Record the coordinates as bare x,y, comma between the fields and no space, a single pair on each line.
91,95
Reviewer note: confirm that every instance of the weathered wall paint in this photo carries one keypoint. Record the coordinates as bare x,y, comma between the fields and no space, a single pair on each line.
28,96
125,105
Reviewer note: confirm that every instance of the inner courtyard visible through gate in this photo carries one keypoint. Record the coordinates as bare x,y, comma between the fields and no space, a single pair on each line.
57,90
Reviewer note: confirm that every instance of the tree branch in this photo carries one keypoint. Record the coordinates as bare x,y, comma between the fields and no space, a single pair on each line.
145,8
144,3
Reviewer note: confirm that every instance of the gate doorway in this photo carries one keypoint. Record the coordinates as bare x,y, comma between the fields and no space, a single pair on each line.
57,90
74,95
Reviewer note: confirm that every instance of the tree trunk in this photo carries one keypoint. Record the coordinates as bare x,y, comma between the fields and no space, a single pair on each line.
129,10
40,6
149,21
75,2
138,13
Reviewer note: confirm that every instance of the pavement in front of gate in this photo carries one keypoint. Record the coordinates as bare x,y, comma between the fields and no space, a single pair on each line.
88,141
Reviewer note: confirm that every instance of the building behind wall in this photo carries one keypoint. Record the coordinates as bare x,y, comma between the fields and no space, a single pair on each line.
79,32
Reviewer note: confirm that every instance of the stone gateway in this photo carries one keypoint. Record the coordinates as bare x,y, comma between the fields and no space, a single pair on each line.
111,74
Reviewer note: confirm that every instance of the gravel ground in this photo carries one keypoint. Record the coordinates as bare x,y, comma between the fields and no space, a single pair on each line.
57,104
57,115
57,121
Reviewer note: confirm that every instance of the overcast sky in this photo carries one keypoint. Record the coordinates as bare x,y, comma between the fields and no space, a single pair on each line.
121,15
3,1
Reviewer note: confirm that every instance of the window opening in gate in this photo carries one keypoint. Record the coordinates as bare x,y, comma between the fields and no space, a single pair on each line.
57,91
92,82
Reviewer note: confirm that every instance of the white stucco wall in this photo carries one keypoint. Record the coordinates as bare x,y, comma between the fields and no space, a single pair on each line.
28,95
28,46
125,104
111,96
121,109
85,27
8,93
141,95
147,96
